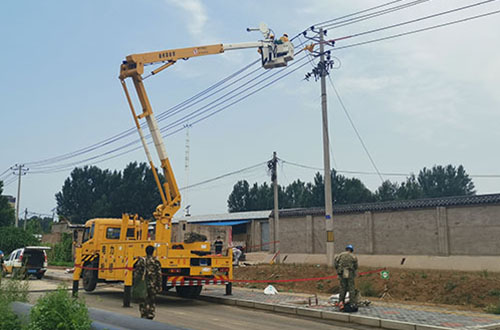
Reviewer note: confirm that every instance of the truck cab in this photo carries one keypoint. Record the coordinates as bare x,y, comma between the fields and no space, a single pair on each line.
111,247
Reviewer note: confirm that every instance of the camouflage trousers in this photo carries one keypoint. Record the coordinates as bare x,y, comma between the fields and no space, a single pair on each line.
347,285
147,307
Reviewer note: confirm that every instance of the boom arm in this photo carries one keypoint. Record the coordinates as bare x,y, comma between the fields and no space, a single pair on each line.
133,67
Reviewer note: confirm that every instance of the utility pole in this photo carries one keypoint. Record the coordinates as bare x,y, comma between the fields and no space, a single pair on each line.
320,72
18,169
25,218
273,167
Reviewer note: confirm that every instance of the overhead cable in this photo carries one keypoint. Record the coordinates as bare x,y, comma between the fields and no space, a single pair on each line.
183,104
355,129
375,173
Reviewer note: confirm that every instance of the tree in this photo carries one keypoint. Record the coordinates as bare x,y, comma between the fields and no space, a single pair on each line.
349,190
7,213
388,191
238,199
12,238
85,194
137,192
445,181
90,192
296,194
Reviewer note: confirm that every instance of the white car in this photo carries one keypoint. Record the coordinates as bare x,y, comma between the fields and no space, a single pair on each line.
31,259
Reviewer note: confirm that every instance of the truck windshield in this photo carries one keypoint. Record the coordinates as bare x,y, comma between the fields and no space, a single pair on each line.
86,234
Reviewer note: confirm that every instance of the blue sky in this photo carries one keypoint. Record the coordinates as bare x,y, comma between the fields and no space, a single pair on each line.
424,99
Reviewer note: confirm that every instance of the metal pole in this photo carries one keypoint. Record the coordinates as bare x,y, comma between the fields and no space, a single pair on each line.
276,208
18,194
25,218
326,158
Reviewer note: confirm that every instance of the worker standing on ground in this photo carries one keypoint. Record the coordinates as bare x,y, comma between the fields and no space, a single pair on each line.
152,268
218,244
346,264
1,264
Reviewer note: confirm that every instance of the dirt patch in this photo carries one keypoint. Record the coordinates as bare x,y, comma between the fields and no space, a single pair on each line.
473,290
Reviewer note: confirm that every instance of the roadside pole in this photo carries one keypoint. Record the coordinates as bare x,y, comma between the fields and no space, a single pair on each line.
19,169
330,249
25,218
274,177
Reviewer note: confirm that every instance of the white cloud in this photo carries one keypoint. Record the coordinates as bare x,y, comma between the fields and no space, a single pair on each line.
195,13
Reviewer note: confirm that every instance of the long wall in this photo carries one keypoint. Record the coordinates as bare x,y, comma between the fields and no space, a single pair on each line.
472,230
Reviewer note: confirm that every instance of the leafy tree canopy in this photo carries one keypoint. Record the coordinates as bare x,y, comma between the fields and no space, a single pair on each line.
90,192
439,181
7,213
12,238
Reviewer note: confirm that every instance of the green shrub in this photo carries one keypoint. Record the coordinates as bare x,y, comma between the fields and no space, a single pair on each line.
8,320
61,252
493,309
494,292
11,290
12,238
58,310
68,264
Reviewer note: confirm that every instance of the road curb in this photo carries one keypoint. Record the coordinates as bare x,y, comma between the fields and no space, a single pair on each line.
324,315
312,313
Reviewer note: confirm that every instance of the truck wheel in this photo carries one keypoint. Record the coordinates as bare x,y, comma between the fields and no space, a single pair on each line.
188,291
89,279
39,276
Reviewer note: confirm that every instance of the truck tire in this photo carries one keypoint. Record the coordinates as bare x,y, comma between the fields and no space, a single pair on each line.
89,278
189,291
39,276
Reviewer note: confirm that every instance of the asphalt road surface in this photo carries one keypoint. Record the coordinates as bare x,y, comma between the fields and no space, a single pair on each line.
194,314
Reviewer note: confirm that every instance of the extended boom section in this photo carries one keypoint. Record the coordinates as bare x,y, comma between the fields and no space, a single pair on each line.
110,247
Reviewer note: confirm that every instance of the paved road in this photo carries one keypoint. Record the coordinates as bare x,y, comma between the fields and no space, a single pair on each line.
196,314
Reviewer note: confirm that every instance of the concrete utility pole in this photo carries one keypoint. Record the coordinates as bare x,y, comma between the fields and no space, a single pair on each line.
330,249
319,72
25,218
18,169
273,165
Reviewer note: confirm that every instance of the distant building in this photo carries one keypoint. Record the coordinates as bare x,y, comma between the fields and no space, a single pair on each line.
248,229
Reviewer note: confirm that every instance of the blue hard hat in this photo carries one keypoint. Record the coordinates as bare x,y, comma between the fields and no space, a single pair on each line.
349,247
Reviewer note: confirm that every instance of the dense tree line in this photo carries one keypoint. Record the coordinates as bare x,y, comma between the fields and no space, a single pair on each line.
91,192
7,213
438,181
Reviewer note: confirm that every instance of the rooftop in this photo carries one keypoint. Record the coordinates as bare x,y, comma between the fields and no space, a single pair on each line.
251,215
397,205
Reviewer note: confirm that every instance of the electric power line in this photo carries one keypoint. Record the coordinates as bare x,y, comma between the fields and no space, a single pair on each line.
355,129
375,173
370,41
224,176
418,30
184,104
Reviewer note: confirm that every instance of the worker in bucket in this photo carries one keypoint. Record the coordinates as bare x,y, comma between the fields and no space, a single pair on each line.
346,265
